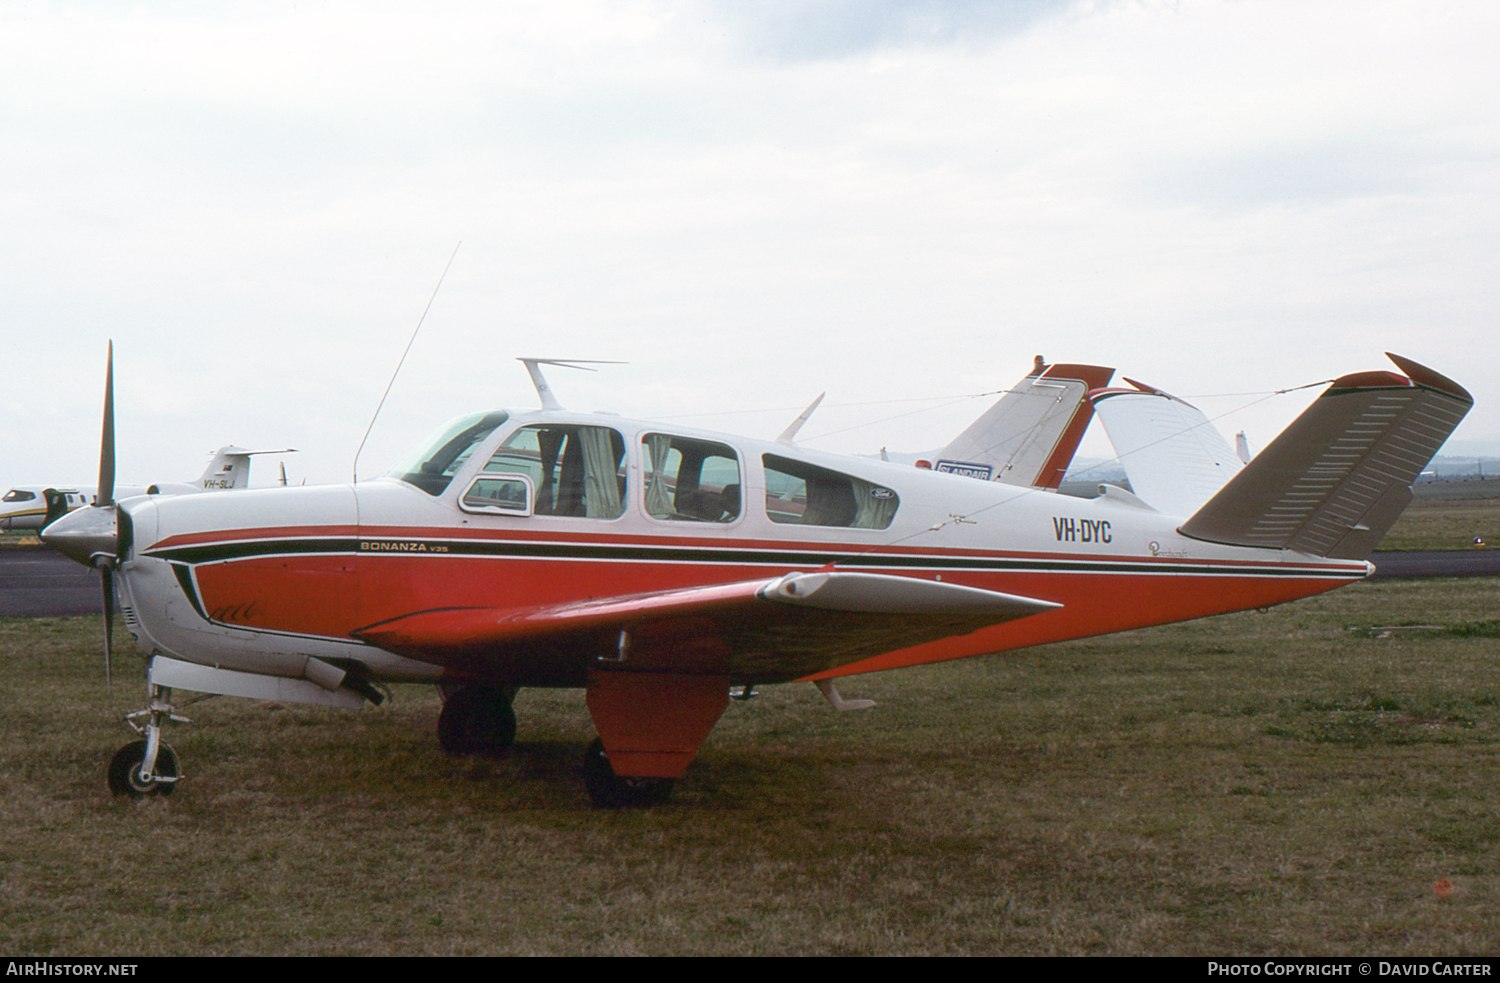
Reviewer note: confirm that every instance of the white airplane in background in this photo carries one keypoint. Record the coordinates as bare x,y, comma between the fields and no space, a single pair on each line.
33,506
660,568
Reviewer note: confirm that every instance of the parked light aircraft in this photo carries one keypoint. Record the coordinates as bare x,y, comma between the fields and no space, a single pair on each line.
33,506
659,567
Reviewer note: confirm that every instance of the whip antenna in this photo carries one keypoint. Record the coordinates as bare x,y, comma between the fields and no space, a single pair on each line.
388,385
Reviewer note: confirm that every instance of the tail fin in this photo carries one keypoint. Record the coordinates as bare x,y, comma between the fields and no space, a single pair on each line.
1030,435
230,468
1174,457
1334,482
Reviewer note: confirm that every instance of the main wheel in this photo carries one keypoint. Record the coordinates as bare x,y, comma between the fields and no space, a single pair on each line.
477,720
125,771
610,791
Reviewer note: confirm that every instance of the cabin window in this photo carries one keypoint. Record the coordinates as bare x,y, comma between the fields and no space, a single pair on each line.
500,494
690,480
804,494
17,495
576,471
433,464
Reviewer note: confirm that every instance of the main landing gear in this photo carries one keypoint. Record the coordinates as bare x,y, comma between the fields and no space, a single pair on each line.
478,720
147,767
610,791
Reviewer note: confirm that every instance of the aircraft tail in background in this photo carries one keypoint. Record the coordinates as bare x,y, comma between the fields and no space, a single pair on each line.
1030,435
1335,481
229,468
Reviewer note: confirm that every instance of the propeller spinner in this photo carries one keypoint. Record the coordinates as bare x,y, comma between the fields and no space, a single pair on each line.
90,535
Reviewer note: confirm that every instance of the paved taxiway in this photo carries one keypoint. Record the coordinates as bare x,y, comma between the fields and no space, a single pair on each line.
40,583
1437,563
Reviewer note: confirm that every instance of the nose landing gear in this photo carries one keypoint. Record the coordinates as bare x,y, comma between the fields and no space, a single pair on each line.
147,767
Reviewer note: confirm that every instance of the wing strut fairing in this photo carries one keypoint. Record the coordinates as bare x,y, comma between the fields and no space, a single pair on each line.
1335,480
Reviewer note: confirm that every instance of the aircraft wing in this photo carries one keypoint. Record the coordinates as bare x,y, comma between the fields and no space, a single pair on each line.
757,631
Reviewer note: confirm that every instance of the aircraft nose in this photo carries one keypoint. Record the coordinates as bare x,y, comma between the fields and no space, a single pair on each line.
85,535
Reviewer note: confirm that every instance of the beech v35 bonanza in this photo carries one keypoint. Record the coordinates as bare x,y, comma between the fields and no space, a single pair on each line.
659,568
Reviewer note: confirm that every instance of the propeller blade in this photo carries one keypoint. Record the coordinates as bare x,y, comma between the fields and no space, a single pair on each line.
91,535
107,580
107,439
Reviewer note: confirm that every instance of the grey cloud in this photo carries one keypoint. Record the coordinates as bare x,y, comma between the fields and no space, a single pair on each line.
807,30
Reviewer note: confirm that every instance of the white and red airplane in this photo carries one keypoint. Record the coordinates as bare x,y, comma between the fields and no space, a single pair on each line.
33,506
658,567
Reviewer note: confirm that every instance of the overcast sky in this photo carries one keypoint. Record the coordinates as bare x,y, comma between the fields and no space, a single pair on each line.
749,201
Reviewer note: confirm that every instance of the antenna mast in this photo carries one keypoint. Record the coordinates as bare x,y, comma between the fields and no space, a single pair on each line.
388,385
544,391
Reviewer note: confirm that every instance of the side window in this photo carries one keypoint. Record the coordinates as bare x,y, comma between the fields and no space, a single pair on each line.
501,494
689,480
576,471
804,494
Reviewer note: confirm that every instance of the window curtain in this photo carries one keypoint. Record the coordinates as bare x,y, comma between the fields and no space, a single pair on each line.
871,512
601,490
549,442
658,502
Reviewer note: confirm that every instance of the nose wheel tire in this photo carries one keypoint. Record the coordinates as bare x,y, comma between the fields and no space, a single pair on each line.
610,791
125,776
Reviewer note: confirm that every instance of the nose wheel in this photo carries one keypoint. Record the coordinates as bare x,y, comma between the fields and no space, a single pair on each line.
129,776
147,767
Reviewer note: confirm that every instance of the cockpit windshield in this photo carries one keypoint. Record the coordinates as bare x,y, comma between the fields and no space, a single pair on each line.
433,464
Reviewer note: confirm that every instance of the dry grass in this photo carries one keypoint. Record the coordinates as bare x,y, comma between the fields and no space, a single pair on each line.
1448,515
1444,526
1256,783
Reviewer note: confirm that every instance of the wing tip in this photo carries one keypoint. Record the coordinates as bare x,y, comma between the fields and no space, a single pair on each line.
1423,376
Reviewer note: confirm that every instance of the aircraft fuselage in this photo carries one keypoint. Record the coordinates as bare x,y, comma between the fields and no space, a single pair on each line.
264,580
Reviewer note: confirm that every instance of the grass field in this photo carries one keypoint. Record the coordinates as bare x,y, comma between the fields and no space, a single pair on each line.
1303,781
1448,515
